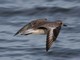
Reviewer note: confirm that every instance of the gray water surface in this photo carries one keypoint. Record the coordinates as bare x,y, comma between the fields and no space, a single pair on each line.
14,14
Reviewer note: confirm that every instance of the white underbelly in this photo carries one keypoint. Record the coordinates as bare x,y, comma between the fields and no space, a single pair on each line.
38,31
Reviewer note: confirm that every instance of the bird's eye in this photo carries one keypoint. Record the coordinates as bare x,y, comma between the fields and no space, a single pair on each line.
60,22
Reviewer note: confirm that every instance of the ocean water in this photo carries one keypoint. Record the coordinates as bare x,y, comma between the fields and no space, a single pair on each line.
14,14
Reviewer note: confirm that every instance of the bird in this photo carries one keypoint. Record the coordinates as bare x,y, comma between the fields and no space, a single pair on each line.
42,26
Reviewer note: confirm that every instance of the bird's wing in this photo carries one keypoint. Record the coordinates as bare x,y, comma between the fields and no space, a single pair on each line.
34,24
26,27
51,36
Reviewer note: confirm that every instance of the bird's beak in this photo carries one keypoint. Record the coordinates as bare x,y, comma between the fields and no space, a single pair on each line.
64,25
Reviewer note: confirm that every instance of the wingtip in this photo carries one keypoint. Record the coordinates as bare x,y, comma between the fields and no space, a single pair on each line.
47,50
15,34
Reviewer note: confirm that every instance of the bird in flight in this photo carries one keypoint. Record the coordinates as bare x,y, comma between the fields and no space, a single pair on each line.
43,26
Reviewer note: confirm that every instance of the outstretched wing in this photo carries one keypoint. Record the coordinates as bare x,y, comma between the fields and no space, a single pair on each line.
51,36
32,24
26,27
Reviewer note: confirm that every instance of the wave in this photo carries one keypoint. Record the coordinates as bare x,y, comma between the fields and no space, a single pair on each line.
33,11
74,11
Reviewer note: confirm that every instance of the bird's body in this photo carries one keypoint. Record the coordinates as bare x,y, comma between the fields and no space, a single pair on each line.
42,26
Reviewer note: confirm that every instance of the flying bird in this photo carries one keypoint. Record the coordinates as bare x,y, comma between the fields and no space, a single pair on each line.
43,26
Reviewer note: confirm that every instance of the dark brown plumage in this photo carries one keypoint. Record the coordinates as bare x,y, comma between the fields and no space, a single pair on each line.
42,26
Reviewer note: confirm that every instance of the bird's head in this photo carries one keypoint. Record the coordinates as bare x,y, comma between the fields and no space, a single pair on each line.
61,23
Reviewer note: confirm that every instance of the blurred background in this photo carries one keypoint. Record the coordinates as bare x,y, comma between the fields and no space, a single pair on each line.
14,14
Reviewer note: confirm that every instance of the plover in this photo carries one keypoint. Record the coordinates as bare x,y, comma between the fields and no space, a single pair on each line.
43,26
